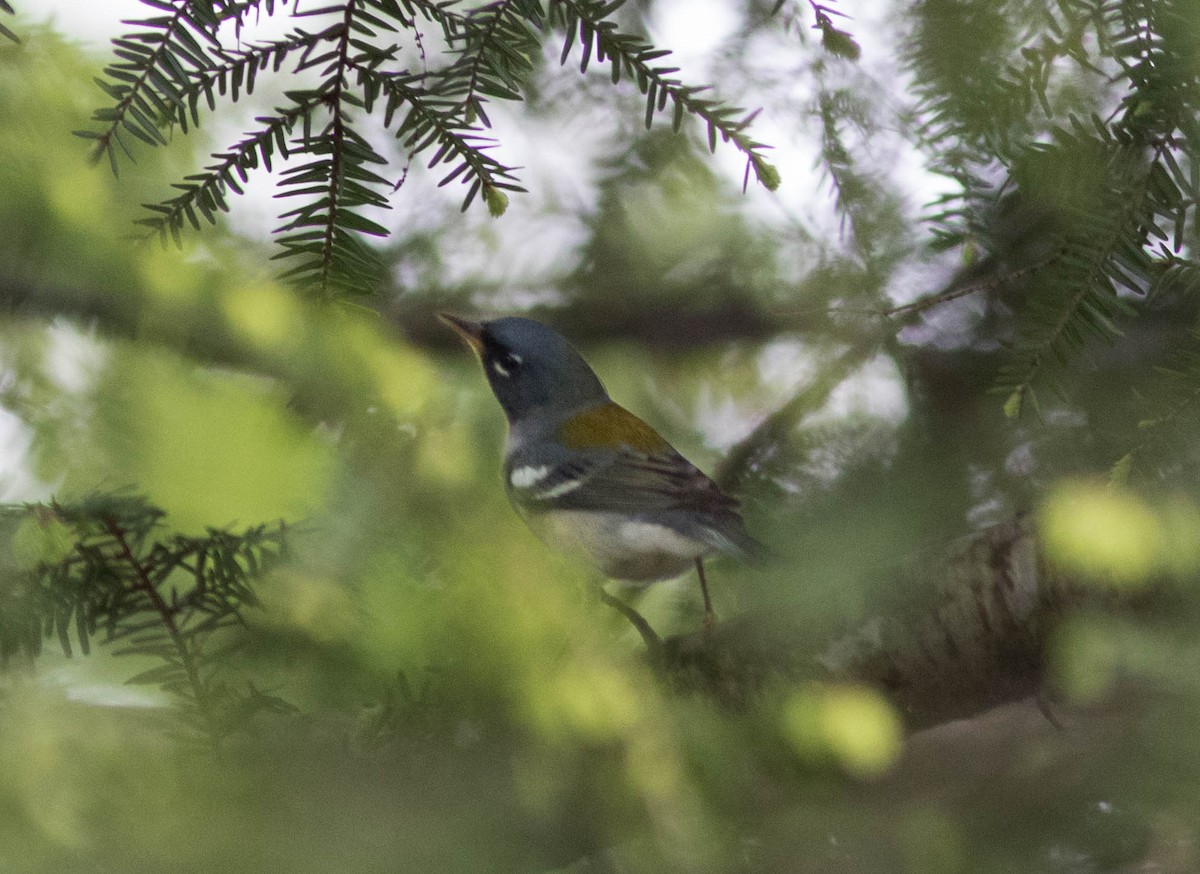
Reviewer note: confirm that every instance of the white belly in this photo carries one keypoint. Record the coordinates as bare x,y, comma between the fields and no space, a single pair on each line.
637,551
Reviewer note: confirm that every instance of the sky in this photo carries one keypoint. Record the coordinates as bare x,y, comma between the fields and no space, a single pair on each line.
93,23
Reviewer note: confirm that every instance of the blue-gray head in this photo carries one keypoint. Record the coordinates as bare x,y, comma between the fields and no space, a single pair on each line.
530,366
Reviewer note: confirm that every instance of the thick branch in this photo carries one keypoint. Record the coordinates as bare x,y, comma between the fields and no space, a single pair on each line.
976,641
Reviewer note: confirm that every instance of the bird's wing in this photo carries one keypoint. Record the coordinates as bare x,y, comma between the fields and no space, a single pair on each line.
616,480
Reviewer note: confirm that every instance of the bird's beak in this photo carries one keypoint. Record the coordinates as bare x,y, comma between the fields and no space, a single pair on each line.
470,331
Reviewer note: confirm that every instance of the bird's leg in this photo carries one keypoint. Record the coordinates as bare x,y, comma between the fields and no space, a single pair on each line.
649,637
710,620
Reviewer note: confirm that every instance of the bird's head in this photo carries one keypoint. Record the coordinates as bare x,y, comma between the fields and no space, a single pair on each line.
530,366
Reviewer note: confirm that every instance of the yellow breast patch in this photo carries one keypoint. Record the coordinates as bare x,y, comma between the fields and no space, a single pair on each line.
611,426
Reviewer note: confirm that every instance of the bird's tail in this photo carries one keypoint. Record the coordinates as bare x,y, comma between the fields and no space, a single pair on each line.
731,537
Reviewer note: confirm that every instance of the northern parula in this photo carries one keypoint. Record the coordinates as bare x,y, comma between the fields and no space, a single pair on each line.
588,476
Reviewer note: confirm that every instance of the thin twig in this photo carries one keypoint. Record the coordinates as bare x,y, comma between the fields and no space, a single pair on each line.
776,426
970,288
142,583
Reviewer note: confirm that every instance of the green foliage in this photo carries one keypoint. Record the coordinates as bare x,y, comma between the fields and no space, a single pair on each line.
177,63
834,40
104,569
463,701
1171,413
1085,204
863,204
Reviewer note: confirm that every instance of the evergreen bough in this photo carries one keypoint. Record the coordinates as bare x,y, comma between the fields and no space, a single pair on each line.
106,570
1072,132
365,58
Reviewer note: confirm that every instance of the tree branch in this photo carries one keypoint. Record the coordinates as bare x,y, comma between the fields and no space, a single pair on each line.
977,641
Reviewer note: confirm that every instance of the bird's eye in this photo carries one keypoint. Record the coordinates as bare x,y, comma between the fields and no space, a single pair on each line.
506,364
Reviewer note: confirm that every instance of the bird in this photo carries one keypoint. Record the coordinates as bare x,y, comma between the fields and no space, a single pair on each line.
589,477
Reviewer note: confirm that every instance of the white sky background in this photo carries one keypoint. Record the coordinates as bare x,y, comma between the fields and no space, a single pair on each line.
92,23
